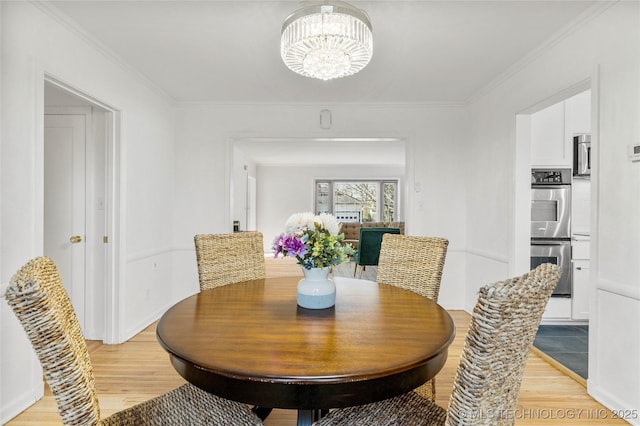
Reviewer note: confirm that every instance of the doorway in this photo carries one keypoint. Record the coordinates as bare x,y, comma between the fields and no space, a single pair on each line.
251,203
77,134
286,168
545,137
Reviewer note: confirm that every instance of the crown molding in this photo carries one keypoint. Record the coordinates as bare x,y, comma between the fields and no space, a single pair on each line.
588,15
408,105
54,13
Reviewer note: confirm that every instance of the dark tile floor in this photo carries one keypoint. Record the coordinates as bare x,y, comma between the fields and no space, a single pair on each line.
567,344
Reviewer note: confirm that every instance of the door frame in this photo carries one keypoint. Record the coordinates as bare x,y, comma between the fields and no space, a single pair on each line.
521,191
113,260
409,202
252,197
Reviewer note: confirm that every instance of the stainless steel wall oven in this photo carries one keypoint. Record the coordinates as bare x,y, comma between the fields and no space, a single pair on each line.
551,223
559,253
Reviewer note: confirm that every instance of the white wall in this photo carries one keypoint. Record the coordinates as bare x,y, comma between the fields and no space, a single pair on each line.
175,177
435,136
35,43
284,190
605,49
2,316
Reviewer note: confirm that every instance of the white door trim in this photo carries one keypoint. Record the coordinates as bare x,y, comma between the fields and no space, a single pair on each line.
112,322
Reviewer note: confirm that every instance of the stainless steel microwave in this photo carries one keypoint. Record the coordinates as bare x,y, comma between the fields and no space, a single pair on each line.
582,155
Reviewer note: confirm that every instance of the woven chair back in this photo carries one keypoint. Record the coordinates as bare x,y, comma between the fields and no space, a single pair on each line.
40,302
229,258
503,325
413,263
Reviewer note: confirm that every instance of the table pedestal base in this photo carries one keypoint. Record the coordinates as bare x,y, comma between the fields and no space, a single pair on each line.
307,417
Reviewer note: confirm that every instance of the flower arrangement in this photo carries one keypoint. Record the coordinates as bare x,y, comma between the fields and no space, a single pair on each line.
314,240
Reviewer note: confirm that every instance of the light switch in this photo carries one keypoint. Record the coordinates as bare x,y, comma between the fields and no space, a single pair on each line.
325,119
633,151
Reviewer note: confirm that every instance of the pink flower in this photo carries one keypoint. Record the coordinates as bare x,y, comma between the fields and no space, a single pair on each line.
289,245
293,246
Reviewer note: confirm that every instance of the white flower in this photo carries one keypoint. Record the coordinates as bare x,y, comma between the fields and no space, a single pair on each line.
329,223
299,222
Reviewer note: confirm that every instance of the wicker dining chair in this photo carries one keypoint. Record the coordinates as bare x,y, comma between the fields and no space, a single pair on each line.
487,383
40,302
414,263
229,258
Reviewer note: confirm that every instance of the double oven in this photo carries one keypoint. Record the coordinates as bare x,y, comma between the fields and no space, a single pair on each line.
551,223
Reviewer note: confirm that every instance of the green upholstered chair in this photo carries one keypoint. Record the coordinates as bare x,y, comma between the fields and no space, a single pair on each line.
369,244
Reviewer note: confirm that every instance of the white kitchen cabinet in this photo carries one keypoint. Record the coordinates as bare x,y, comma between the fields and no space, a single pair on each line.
581,290
581,208
578,114
553,129
580,247
558,309
549,145
578,121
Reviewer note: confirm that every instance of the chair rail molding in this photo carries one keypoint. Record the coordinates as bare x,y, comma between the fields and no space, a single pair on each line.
620,289
488,255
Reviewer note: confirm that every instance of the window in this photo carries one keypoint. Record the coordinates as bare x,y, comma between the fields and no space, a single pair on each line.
358,201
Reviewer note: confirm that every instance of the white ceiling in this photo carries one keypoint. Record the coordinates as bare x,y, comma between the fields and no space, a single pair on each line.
228,51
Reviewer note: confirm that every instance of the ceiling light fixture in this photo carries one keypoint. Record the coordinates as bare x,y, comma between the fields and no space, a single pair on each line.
325,40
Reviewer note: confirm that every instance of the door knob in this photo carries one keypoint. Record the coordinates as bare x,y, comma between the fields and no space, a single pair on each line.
75,239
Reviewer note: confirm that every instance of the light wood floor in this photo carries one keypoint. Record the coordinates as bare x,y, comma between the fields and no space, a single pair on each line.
139,370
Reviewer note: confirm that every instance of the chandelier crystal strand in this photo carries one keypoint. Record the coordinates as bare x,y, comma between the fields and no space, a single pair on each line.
327,40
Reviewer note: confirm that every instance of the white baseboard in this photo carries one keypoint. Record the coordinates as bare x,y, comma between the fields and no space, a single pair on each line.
629,414
18,403
141,325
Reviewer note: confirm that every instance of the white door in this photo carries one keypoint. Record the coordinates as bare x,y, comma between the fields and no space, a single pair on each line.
64,202
251,203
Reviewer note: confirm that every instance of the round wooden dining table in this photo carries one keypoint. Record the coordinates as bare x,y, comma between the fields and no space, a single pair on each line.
250,342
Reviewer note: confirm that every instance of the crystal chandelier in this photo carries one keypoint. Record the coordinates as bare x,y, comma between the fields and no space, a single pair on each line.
326,40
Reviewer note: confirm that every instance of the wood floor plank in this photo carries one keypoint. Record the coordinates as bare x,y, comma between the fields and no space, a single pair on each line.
139,369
